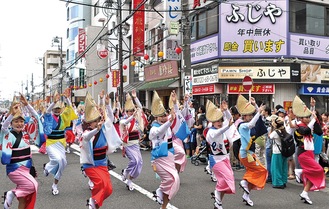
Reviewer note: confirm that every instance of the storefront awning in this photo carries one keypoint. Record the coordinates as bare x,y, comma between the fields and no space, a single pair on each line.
132,86
153,85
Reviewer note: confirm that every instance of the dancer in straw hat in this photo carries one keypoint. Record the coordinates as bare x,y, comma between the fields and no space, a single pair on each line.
131,128
181,132
98,140
311,173
256,174
17,156
219,157
163,159
56,119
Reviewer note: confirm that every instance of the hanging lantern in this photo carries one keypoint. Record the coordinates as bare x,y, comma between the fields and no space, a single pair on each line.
89,84
178,50
160,54
133,63
146,57
124,67
101,80
107,75
95,82
85,86
81,87
75,87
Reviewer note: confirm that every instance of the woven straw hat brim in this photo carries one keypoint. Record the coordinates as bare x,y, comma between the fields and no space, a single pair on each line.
91,111
129,104
213,113
244,106
171,103
299,108
157,108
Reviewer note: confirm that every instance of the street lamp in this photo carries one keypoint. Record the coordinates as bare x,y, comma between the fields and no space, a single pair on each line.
59,41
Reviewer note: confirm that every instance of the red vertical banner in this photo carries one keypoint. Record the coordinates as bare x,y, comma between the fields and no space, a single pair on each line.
82,41
138,29
115,78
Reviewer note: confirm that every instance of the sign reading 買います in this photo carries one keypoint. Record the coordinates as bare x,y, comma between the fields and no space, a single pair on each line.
253,28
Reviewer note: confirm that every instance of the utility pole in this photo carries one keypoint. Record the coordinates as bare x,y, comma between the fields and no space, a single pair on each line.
119,30
186,42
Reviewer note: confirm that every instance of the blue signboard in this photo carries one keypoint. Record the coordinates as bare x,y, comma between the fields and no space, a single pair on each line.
312,89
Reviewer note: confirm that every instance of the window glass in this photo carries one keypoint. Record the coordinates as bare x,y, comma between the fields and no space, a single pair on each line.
73,33
202,25
212,21
74,12
308,18
315,19
193,28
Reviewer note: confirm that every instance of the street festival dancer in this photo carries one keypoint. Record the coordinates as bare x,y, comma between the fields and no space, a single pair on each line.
312,175
98,140
163,159
56,120
16,153
131,128
219,158
181,131
256,174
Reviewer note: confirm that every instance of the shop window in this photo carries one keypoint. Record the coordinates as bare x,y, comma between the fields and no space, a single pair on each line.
308,18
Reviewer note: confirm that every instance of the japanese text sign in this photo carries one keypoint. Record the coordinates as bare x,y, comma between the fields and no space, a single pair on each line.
312,89
115,78
254,28
138,29
207,89
161,71
255,72
205,75
204,49
256,89
309,46
81,41
174,13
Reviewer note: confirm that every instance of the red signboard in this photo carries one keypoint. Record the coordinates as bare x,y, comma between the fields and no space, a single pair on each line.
204,89
82,41
115,78
257,88
103,54
138,29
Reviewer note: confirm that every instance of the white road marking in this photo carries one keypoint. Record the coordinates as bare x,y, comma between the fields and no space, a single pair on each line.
118,176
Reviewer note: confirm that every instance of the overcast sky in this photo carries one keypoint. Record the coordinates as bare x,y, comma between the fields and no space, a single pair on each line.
27,29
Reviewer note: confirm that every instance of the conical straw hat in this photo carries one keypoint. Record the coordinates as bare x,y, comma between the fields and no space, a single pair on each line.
19,114
157,107
171,102
91,110
129,104
58,104
299,108
244,106
213,113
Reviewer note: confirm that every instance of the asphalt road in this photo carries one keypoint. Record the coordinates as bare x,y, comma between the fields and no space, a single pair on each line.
194,192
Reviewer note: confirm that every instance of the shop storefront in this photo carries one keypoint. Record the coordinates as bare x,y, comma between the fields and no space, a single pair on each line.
162,77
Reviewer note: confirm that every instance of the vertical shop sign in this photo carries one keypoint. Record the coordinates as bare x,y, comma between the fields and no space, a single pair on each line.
82,41
138,29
